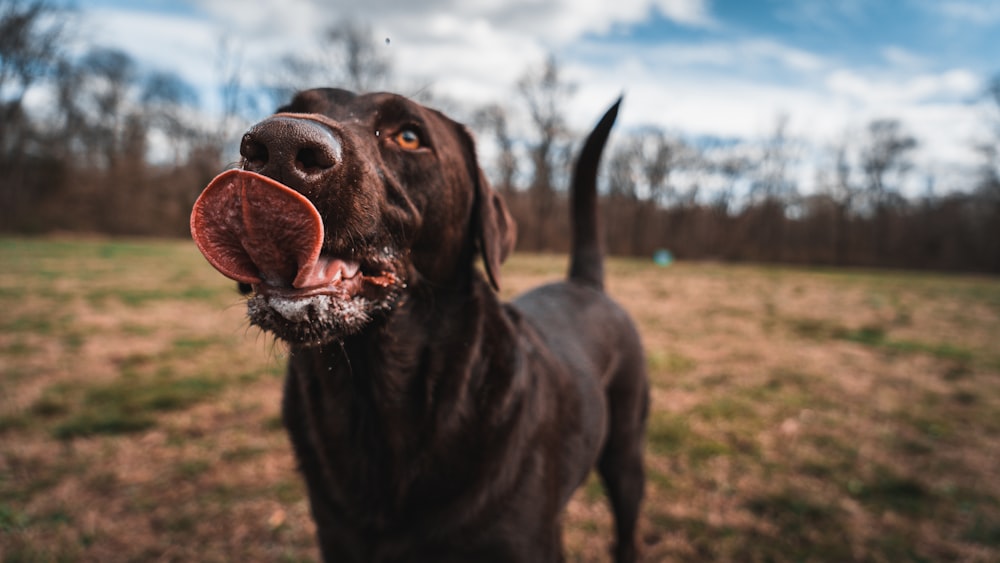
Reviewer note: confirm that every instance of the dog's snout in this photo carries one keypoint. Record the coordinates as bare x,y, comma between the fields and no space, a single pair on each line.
294,151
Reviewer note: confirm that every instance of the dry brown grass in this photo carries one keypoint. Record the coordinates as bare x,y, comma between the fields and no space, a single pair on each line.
798,415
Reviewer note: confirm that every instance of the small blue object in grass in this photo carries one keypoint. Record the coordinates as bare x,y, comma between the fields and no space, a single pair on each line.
663,257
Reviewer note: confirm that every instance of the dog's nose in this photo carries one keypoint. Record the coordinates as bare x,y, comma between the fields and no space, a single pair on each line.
294,151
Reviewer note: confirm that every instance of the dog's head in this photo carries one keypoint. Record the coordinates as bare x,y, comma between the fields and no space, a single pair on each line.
343,202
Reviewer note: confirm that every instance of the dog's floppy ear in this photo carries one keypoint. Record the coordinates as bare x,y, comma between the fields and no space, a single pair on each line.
496,232
492,227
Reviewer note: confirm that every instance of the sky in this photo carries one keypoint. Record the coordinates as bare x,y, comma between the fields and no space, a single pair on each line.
699,68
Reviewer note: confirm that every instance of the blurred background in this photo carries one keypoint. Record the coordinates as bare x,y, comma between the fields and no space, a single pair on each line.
834,133
822,179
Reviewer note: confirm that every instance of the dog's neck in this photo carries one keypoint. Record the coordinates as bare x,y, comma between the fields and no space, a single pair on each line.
379,401
406,379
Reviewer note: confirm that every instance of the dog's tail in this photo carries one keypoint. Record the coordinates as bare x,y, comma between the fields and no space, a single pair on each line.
586,258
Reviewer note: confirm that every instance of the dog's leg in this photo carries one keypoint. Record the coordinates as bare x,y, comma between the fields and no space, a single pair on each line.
621,462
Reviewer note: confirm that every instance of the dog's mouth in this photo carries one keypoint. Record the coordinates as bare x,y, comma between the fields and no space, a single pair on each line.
257,231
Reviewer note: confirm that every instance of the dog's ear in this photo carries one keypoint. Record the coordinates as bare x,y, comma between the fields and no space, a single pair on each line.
496,232
492,226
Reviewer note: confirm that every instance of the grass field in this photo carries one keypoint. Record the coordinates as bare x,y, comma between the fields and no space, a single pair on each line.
799,415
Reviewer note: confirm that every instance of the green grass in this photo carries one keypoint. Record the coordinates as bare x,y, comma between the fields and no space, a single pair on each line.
124,406
192,468
876,336
725,408
794,511
11,518
886,491
667,434
671,362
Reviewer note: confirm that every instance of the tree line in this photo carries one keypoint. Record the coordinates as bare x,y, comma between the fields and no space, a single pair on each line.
91,141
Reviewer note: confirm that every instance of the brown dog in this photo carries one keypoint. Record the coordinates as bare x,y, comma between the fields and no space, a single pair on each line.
431,421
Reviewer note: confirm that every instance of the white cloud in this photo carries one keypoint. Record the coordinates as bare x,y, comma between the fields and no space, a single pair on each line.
552,23
769,51
267,19
886,91
820,14
691,12
177,44
899,57
979,13
681,95
474,51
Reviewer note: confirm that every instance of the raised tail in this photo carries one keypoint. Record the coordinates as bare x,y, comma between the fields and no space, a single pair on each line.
586,257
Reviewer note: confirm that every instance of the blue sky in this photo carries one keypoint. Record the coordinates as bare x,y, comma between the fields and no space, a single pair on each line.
722,68
943,33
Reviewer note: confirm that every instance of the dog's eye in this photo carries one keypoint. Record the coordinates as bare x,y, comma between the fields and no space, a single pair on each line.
407,139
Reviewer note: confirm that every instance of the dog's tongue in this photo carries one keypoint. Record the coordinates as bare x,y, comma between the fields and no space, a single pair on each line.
254,230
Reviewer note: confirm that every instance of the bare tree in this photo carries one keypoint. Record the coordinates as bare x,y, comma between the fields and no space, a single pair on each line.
237,100
112,119
545,92
732,167
363,65
293,72
110,74
31,35
989,149
770,192
621,203
844,195
113,106
884,158
771,183
493,118
657,157
885,154
988,183
349,56
166,100
622,175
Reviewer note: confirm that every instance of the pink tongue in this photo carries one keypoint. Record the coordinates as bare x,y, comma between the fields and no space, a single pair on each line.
255,230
